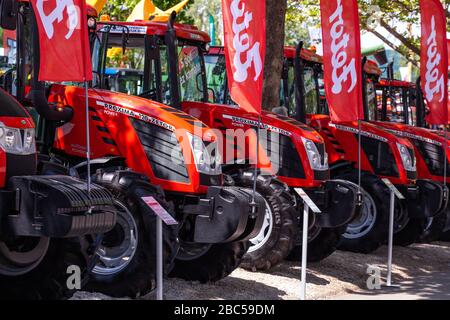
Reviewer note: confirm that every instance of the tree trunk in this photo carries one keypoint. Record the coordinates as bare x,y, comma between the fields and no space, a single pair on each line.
275,19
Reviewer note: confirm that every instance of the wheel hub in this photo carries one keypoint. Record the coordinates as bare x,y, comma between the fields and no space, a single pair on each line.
119,245
266,230
364,222
22,254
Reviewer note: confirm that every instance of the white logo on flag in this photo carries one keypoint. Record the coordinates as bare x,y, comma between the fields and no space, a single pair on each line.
57,15
432,75
241,44
339,58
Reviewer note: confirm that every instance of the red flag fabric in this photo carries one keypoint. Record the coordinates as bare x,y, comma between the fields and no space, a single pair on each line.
448,52
244,24
434,60
63,40
342,60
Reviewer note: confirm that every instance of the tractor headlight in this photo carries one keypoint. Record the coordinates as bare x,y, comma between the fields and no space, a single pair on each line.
409,161
315,159
206,161
16,141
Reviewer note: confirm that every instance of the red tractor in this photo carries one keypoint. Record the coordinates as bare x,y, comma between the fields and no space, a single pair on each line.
301,154
302,163
142,147
383,155
424,198
395,105
43,219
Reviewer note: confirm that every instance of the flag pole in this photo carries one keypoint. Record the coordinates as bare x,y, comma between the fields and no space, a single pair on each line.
255,174
445,154
88,140
359,153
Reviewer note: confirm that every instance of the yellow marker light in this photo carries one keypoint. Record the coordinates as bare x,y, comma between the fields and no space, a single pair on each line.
105,18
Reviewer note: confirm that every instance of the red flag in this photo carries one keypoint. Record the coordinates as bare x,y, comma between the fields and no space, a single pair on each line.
434,60
342,60
63,40
244,24
448,52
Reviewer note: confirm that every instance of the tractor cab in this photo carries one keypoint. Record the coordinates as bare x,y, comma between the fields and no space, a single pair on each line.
141,71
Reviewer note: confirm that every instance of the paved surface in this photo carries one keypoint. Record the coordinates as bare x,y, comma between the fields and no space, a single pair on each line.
434,286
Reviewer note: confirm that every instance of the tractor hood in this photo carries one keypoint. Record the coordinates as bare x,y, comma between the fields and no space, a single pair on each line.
292,161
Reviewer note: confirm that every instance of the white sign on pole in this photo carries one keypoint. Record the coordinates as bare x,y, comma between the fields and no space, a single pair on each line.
394,193
306,199
159,210
307,205
163,216
389,184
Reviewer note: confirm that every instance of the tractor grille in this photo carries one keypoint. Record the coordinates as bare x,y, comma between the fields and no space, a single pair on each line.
163,151
433,156
287,160
380,156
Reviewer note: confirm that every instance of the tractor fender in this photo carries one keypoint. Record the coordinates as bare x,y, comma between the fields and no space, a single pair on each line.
426,198
338,202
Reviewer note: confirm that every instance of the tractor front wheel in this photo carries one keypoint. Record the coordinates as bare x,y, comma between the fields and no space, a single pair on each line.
279,232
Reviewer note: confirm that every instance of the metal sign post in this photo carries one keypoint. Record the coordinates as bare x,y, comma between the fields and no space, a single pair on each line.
394,192
162,216
307,205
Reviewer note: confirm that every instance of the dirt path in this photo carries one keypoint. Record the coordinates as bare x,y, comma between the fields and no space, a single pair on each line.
341,274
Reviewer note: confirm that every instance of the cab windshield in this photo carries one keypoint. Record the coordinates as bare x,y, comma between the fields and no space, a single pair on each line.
140,67
216,75
397,104
310,86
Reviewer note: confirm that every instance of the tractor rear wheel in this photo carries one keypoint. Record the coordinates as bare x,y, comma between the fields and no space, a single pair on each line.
38,268
280,229
368,230
126,256
322,242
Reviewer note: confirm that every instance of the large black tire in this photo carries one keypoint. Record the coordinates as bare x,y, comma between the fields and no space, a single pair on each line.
434,228
280,230
410,233
48,281
137,277
376,201
445,236
320,246
214,263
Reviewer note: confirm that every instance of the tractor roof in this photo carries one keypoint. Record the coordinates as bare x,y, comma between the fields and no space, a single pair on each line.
395,83
183,31
371,67
289,52
305,54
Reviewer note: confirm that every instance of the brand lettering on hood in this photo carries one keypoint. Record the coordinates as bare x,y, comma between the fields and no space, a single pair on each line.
134,114
254,123
241,43
434,82
354,130
342,68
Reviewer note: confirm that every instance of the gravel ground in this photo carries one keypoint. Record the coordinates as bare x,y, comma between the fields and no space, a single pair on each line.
340,274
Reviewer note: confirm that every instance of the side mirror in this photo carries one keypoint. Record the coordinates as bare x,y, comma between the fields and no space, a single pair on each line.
8,14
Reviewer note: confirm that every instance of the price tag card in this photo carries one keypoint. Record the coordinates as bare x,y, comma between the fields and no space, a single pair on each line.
389,184
158,209
306,199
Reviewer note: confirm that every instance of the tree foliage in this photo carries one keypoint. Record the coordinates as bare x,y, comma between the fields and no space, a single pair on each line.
121,9
392,16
